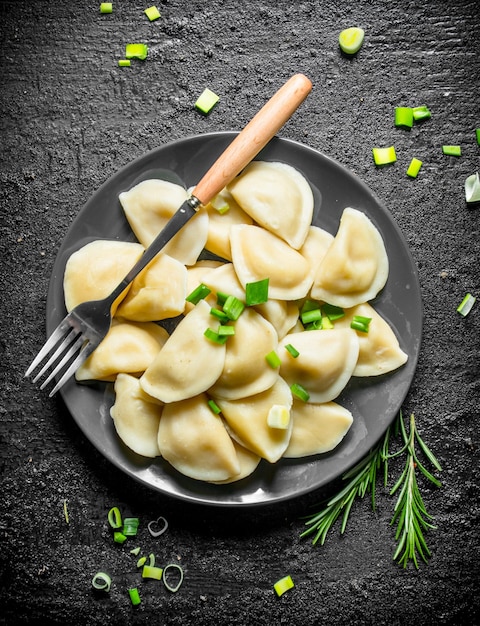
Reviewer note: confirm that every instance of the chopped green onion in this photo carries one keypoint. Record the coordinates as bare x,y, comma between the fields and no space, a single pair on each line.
414,168
136,51
421,113
206,101
383,156
477,135
152,13
293,351
315,325
214,407
119,537
350,40
233,307
466,305
220,315
452,150
257,292
115,517
65,512
134,596
283,585
221,298
404,117
150,571
227,331
130,526
332,311
472,188
300,392
172,588
135,551
220,204
106,7
278,417
311,316
326,323
273,359
101,581
309,305
141,561
124,62
360,323
199,293
215,337
155,529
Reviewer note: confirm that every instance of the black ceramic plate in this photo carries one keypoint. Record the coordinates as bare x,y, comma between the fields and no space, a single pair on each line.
373,402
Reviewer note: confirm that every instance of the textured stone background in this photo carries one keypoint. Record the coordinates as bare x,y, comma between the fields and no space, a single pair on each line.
69,119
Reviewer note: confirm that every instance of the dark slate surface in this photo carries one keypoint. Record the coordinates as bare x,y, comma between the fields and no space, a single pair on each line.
69,119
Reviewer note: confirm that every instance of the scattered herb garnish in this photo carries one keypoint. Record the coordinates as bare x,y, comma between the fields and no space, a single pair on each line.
134,596
300,392
106,7
472,188
404,117
452,150
273,359
152,13
101,581
414,168
466,305
136,51
410,514
351,39
283,585
384,156
206,101
257,292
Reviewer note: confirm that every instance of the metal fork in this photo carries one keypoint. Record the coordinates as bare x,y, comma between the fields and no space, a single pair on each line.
82,330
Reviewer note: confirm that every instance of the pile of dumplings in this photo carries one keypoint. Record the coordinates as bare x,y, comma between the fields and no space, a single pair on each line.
259,227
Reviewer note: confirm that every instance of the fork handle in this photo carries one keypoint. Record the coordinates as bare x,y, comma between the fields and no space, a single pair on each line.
255,136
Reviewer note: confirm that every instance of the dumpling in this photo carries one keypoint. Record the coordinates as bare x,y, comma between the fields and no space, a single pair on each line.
355,266
247,421
277,197
95,270
223,279
196,275
283,315
258,254
188,363
315,247
325,364
380,351
248,461
136,416
218,240
157,293
128,347
195,441
317,428
246,371
149,205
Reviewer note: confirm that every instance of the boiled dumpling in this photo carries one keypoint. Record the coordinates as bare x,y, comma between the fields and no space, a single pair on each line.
149,205
317,428
246,371
95,270
278,197
157,293
315,247
283,315
196,275
188,363
248,461
258,254
380,351
195,441
128,347
325,363
223,279
355,266
247,421
218,240
136,416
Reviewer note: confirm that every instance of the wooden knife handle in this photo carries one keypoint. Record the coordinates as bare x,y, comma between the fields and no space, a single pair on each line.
255,136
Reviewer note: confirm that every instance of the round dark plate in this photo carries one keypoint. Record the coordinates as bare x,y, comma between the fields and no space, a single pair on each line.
374,402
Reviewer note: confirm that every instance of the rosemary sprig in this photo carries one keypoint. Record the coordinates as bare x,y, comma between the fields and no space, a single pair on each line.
409,513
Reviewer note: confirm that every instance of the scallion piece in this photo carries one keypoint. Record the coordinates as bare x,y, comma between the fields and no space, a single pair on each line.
214,407
278,417
315,325
233,307
283,585
124,63
115,517
227,331
135,551
332,312
414,168
136,51
350,40
309,305
141,561
293,351
152,13
221,298
273,359
220,315
65,512
466,305
220,204
421,113
360,323
206,101
311,316
119,537
326,323
149,571
215,337
168,568
257,292
452,150
106,7
154,527
472,188
130,526
134,596
404,117
101,581
477,135
384,156
300,392
199,293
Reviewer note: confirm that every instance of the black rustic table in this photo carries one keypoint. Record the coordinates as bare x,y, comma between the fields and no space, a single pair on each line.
70,119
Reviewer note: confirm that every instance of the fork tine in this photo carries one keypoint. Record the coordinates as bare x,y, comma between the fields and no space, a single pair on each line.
74,348
86,350
60,350
51,342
